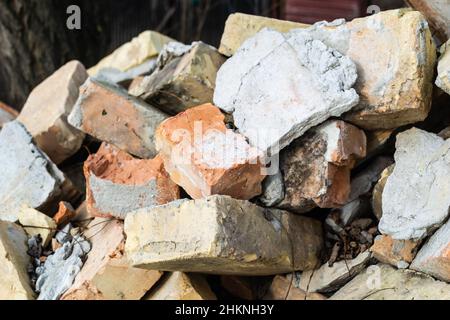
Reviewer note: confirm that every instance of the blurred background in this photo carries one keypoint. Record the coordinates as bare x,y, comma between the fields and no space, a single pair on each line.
34,39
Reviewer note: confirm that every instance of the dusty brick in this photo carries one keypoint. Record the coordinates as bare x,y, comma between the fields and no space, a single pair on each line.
399,253
117,183
205,158
108,113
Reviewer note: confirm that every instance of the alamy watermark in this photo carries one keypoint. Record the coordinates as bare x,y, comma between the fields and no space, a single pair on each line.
74,20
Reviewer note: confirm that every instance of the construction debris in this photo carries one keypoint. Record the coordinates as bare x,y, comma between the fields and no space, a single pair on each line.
108,113
205,158
183,82
278,85
107,274
421,168
239,27
117,183
316,167
144,47
47,108
14,282
383,282
31,178
221,235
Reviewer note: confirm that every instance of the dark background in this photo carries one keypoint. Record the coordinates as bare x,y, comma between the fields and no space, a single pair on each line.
34,40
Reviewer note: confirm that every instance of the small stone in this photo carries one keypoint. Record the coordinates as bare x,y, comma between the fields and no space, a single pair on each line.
59,270
14,260
443,78
282,288
221,235
184,82
280,85
204,157
47,107
145,46
35,222
107,274
434,257
239,27
395,56
65,213
117,183
108,113
273,189
329,279
437,13
182,286
29,176
7,114
415,198
383,282
316,167
377,192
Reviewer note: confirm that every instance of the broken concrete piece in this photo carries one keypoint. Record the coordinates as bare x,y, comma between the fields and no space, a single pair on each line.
395,56
437,13
279,85
59,270
145,46
47,107
383,282
239,27
443,78
283,288
7,114
65,213
184,82
29,176
434,257
273,190
398,253
108,113
107,274
221,235
316,167
14,260
117,183
204,157
329,279
415,198
377,192
35,222
182,286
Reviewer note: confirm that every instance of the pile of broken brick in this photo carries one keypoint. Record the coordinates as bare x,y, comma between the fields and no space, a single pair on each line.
294,162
